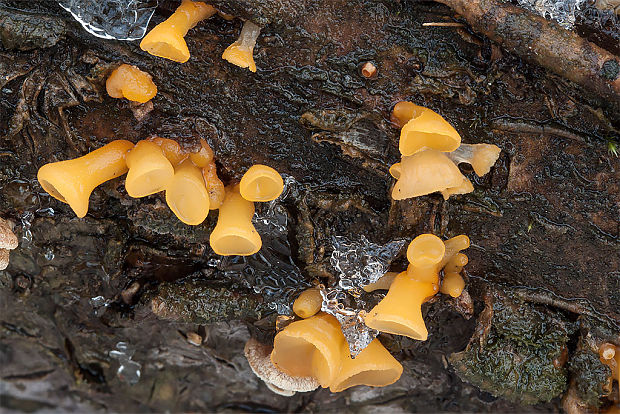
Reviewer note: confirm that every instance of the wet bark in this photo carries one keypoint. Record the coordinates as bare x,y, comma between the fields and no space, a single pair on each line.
543,224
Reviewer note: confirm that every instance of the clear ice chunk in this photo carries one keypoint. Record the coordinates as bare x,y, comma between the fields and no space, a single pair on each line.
128,371
562,11
112,19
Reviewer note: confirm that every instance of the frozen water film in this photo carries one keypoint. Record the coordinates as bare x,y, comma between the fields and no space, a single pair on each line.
562,11
112,19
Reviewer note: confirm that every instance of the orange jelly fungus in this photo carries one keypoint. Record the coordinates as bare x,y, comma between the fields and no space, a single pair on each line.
403,112
241,53
610,355
234,233
400,312
425,254
310,348
215,187
427,129
308,303
171,149
129,82
426,172
72,181
480,156
149,170
374,366
465,187
453,283
186,194
383,283
204,156
261,183
453,246
167,38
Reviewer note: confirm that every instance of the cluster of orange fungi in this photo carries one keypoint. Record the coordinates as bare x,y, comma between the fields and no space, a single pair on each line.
189,180
315,347
167,39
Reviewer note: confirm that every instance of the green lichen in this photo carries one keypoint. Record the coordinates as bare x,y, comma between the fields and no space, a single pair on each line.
518,353
590,376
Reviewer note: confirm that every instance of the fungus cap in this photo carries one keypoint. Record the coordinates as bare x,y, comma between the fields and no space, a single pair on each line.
166,40
426,250
400,312
186,194
427,129
241,53
308,303
234,233
204,156
127,81
72,181
259,359
452,284
215,187
261,183
149,170
4,258
374,367
171,149
426,172
403,111
481,156
465,187
8,240
310,348
395,170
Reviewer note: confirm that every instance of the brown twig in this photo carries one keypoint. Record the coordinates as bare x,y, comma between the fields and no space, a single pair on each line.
545,43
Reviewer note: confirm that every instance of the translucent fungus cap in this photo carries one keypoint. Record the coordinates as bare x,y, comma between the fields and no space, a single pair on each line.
427,129
149,170
426,172
261,183
426,250
129,82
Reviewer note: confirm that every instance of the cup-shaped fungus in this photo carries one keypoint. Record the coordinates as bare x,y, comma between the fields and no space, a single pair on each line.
72,181
308,303
425,253
400,311
465,187
261,183
234,233
404,111
480,156
426,172
241,53
427,129
204,156
374,366
167,38
215,187
453,246
127,81
310,348
149,170
186,194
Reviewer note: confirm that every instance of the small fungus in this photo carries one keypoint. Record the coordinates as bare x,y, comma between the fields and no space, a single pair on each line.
425,254
308,303
453,283
426,172
427,129
480,156
310,348
215,187
368,70
166,40
383,283
149,170
8,242
261,183
129,82
186,194
259,359
610,356
404,111
234,233
171,149
241,53
400,311
72,181
374,366
204,156
465,187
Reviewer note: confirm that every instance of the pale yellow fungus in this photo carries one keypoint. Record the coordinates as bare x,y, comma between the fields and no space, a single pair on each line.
72,181
452,284
204,156
374,366
310,348
465,187
241,53
8,242
481,156
234,233
427,129
400,312
186,194
261,183
149,170
453,246
426,172
308,303
395,170
403,112
127,81
425,253
167,38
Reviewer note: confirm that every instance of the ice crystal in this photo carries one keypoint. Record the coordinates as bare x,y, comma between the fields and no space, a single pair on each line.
562,11
128,371
112,19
